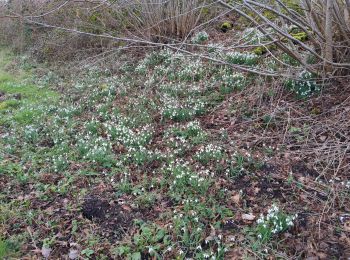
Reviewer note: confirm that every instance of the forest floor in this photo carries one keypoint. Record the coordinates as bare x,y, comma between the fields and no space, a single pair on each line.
168,157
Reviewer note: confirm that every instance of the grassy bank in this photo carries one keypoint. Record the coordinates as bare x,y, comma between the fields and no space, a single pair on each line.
169,157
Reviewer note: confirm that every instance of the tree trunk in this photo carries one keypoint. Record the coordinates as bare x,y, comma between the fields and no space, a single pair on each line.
328,50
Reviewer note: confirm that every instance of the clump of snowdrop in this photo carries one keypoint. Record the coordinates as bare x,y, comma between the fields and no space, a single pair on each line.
242,58
304,86
31,134
209,153
276,221
60,162
192,71
153,59
96,150
214,49
122,134
200,37
177,110
185,180
254,36
232,81
345,184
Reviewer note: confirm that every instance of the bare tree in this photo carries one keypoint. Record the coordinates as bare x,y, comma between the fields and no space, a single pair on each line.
171,22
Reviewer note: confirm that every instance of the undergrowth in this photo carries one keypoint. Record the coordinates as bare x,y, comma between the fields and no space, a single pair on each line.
138,140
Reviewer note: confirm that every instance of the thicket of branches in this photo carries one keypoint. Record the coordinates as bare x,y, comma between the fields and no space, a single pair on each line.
52,29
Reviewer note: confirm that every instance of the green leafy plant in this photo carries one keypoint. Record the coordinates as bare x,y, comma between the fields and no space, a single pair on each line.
276,221
209,153
185,181
200,37
149,239
242,58
3,248
304,86
232,81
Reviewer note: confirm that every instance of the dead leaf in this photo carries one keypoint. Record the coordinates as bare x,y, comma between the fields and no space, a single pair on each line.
346,226
248,217
323,138
126,208
236,198
73,254
46,251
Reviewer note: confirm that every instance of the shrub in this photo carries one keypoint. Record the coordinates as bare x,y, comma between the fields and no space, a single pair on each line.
162,21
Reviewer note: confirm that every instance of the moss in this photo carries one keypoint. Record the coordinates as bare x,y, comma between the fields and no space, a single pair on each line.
226,26
205,11
316,111
260,50
301,36
95,19
269,15
294,5
263,49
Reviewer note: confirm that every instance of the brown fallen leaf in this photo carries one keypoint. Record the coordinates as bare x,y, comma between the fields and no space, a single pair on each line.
248,217
236,198
73,254
126,208
46,251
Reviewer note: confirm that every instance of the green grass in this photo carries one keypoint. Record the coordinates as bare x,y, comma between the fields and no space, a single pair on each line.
3,249
23,100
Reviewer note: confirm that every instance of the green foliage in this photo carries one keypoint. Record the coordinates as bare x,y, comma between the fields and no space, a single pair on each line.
200,37
149,239
304,86
289,60
180,112
276,221
269,15
141,133
185,180
9,104
87,252
209,153
294,5
232,81
191,132
242,58
3,248
96,150
189,227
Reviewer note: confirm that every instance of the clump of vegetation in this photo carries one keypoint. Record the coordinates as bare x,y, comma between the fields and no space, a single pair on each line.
305,86
232,81
276,221
226,26
200,37
209,153
149,240
242,58
301,36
